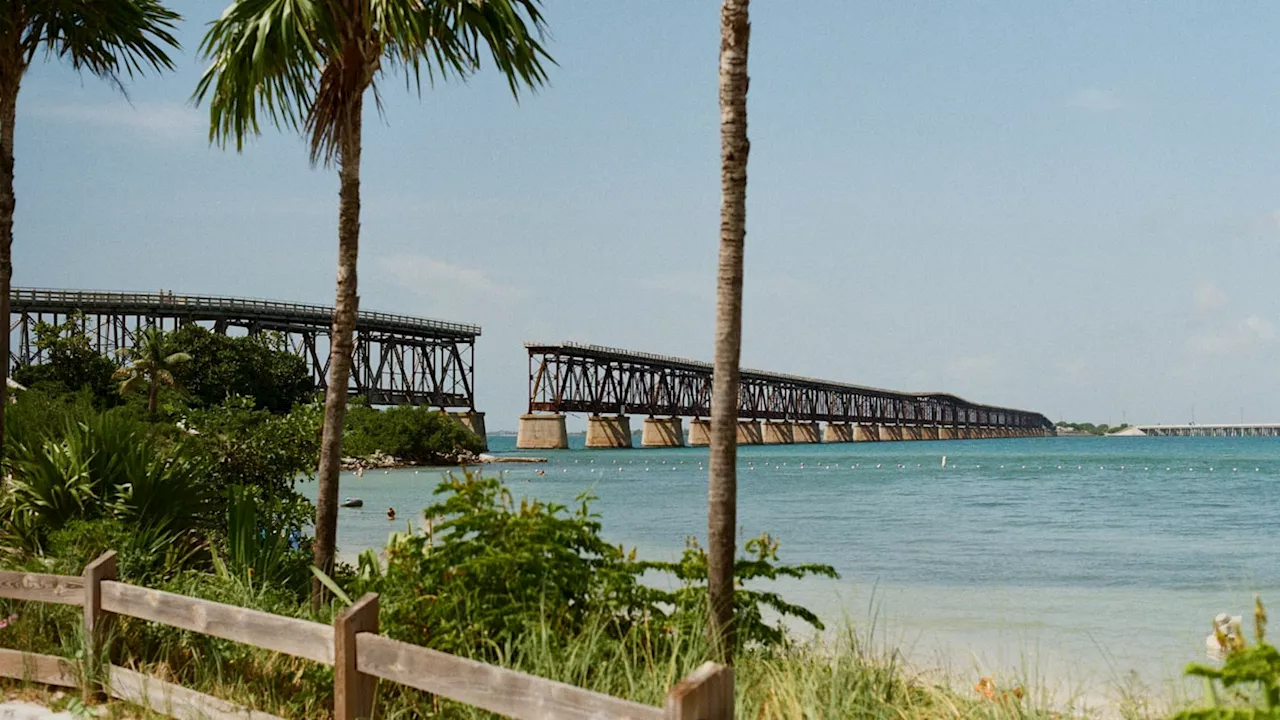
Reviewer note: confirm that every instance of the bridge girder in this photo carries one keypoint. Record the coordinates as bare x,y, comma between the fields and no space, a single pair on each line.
397,359
596,380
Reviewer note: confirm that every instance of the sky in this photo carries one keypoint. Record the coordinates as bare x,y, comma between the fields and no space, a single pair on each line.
1072,208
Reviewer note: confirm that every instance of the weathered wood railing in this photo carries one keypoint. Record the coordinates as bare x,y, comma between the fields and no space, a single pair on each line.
359,657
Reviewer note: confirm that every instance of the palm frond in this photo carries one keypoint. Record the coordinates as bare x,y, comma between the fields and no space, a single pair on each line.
105,37
266,57
135,383
176,358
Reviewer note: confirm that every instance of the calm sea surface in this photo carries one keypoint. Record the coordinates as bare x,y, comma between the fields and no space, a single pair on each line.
1085,561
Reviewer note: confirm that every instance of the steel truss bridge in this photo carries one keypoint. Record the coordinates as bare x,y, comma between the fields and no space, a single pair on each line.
398,360
599,380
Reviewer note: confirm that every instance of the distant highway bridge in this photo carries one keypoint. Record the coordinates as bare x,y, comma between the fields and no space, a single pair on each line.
1233,430
398,360
608,384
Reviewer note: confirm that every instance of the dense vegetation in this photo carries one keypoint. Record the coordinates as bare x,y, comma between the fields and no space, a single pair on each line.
1090,428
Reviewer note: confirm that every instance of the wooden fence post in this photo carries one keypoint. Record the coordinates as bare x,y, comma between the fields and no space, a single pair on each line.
705,694
96,620
352,690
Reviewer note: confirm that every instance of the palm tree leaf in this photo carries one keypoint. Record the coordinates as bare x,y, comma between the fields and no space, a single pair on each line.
105,37
177,358
135,383
266,57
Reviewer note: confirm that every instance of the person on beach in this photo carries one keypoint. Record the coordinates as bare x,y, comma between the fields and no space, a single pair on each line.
391,513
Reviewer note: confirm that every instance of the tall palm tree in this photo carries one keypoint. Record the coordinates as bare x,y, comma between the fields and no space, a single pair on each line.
722,506
105,37
306,65
151,363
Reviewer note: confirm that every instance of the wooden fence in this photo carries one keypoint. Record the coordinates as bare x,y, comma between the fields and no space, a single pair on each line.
358,655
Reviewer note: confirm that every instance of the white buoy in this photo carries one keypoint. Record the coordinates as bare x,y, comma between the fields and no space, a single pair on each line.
944,461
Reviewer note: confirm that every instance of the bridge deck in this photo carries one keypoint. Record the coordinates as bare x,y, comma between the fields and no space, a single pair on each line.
664,384
215,307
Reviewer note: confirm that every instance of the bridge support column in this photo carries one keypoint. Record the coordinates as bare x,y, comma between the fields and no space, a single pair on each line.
911,432
837,433
929,432
946,432
890,432
474,421
611,431
866,433
699,432
777,433
749,432
662,432
806,433
542,432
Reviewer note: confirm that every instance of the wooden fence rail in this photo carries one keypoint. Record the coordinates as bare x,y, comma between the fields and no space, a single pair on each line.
352,646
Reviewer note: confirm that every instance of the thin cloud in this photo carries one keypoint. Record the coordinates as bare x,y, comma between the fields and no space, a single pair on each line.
1251,332
1094,99
155,119
451,290
1209,298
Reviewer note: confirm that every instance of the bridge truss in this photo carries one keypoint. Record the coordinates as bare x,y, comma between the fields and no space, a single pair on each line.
398,360
599,380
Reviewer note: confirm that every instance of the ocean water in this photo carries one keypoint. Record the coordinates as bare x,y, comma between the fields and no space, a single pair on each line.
1076,563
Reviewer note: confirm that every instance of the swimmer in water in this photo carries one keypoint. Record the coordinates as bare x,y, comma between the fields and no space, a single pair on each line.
391,513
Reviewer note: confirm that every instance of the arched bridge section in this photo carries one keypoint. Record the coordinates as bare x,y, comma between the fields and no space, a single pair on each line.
609,384
398,360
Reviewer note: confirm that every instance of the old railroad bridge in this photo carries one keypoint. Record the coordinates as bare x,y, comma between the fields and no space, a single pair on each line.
609,384
402,360
398,360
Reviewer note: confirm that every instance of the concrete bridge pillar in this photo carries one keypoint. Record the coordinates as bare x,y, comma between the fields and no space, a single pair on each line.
866,433
947,432
699,432
662,432
929,432
777,433
749,433
608,431
911,432
806,433
541,432
837,433
890,432
473,421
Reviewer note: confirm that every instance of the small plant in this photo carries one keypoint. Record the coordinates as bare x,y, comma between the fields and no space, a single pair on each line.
1249,676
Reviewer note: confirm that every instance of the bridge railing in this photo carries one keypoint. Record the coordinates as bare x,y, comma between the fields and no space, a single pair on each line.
160,301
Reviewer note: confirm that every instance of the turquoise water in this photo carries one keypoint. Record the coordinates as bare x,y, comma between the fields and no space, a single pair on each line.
1077,561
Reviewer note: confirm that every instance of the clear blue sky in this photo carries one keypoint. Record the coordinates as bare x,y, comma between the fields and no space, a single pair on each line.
1071,208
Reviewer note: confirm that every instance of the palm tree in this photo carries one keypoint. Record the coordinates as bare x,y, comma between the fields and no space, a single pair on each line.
152,359
306,66
105,37
722,507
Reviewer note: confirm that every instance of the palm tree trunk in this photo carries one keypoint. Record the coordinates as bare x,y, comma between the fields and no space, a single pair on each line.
735,30
8,202
341,343
153,393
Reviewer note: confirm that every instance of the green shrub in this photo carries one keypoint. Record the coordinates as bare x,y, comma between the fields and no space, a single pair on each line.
488,569
412,433
1250,676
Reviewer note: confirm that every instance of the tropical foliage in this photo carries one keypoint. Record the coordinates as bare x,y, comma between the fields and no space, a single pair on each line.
71,363
107,467
486,569
306,66
259,366
152,360
412,434
108,38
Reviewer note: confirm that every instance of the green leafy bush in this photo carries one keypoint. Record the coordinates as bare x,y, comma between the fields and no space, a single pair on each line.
102,467
71,364
488,569
260,367
415,434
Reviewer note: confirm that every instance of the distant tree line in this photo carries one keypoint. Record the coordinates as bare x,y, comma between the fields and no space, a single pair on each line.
1091,429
